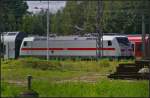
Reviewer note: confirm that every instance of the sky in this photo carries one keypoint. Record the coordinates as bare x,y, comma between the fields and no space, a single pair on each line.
36,6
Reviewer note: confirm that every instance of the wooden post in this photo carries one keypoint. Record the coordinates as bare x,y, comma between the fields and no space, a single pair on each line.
29,82
30,93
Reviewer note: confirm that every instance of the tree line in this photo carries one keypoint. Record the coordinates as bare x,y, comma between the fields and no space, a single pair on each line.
77,17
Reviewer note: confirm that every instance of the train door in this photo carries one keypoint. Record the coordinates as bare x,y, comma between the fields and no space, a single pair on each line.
3,50
17,48
10,50
28,44
6,55
133,48
148,48
138,50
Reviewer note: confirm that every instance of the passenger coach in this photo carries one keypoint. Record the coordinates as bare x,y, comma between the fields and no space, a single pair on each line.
10,43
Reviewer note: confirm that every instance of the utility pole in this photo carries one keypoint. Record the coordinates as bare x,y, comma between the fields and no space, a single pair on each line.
99,40
48,32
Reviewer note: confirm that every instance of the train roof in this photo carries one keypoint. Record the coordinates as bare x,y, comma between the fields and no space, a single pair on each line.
38,38
136,38
9,36
111,37
29,38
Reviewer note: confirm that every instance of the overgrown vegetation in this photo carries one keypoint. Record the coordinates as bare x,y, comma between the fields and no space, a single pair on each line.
68,78
68,64
104,88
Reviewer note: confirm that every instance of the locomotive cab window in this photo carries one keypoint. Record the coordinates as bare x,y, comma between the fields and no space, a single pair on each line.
25,43
109,43
123,41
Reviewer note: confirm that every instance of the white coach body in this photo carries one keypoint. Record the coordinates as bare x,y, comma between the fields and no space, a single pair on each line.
113,46
11,43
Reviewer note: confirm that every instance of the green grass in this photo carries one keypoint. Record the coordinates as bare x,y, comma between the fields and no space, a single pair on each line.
48,77
9,90
19,69
103,88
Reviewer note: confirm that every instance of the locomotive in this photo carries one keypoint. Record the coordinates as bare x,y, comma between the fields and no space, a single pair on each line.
75,46
18,45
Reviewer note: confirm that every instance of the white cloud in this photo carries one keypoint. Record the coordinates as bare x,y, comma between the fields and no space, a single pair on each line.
36,6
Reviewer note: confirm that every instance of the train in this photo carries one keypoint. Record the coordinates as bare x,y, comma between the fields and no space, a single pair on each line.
75,46
18,44
136,41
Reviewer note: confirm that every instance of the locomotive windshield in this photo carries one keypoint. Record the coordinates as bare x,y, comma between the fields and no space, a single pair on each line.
123,41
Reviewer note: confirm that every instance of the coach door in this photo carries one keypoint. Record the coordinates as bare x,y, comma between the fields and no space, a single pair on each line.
28,45
148,49
10,50
3,50
31,52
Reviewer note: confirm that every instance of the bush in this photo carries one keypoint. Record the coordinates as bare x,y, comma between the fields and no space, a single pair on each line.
41,64
104,63
65,65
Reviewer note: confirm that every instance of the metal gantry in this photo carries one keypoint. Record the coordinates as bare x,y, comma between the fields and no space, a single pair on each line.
99,40
48,32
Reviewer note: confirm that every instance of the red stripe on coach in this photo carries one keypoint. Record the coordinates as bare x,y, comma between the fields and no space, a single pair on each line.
24,49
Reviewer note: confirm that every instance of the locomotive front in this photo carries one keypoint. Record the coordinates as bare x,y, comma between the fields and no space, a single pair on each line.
125,47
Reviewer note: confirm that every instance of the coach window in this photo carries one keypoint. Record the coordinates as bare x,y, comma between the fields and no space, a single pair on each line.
25,43
109,43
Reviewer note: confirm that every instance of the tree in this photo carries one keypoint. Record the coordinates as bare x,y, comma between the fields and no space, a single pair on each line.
11,15
124,16
118,17
34,24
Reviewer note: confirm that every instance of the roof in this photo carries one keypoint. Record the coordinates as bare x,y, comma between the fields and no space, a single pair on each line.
136,38
111,37
33,38
29,39
9,36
